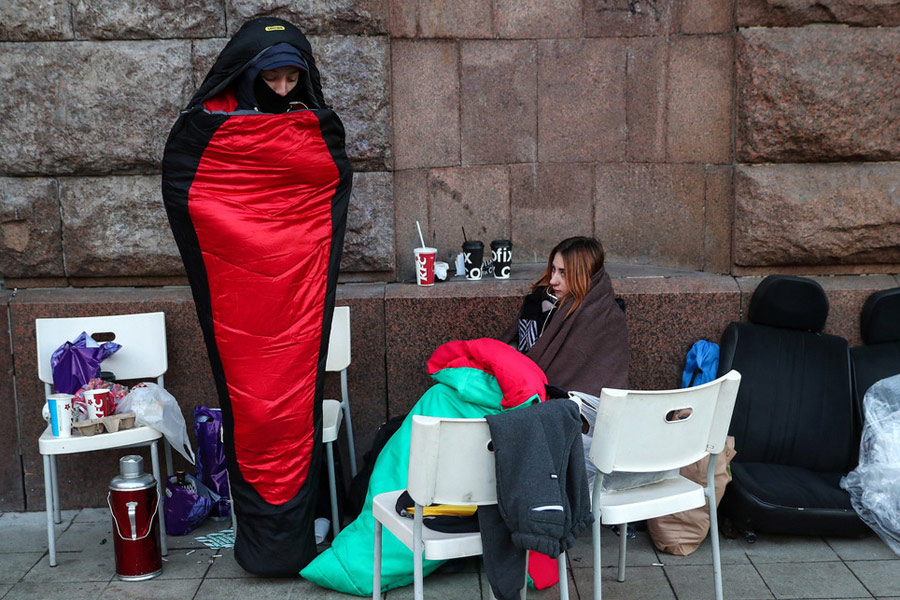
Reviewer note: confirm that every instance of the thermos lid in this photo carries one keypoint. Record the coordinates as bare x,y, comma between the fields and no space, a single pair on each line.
131,475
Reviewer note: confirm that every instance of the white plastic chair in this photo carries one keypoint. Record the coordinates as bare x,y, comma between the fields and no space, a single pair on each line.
334,411
142,356
639,431
451,462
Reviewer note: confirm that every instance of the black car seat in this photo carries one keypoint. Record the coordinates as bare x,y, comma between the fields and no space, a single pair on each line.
879,325
794,425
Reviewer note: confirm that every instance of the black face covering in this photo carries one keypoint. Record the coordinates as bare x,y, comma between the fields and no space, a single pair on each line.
268,101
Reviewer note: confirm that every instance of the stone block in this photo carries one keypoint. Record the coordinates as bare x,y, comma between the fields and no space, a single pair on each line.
795,13
830,214
426,103
636,203
705,16
348,17
355,74
548,203
581,100
116,226
476,198
109,107
818,93
498,102
462,19
137,20
626,18
369,240
538,18
700,99
35,20
29,228
84,478
203,56
717,219
666,315
12,496
645,98
410,205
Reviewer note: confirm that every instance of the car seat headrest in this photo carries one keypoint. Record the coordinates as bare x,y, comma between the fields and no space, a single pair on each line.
880,318
790,303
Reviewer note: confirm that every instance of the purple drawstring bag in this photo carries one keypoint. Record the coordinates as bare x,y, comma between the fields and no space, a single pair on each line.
186,506
211,457
75,363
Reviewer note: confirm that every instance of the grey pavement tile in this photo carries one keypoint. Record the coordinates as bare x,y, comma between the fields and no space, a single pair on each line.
242,589
187,541
86,590
181,565
306,590
87,515
639,551
88,565
86,535
27,531
641,583
870,547
881,577
14,566
739,582
4,588
460,586
784,548
550,593
812,580
732,552
152,589
225,567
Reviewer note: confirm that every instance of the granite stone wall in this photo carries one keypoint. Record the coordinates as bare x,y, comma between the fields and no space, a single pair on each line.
707,143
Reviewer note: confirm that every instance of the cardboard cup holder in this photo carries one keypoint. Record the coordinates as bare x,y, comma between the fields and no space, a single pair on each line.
111,424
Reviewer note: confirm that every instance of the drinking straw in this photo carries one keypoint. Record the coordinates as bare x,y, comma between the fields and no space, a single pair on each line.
465,239
421,239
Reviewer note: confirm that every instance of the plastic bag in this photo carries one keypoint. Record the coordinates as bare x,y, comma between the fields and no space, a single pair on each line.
154,406
75,363
211,457
872,485
187,506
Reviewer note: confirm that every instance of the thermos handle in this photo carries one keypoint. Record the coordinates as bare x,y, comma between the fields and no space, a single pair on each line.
132,506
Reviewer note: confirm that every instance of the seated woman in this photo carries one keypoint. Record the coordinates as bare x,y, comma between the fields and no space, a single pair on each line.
570,323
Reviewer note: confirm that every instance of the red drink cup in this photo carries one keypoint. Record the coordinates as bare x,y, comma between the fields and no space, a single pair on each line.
425,265
99,403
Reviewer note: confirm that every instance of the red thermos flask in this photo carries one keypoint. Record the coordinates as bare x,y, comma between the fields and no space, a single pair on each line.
134,503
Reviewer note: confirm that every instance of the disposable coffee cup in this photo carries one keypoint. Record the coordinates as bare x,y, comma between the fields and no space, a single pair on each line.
60,407
501,256
99,403
473,253
425,258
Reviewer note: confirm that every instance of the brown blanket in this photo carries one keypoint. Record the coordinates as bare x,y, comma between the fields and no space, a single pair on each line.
588,350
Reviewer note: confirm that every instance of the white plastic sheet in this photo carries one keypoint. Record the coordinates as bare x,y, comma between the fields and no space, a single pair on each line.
154,406
872,485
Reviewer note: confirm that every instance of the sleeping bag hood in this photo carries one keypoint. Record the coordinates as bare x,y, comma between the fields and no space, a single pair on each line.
258,204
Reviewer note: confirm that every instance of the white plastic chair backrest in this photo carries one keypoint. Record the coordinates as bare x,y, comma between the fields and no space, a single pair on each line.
142,336
339,341
635,431
451,461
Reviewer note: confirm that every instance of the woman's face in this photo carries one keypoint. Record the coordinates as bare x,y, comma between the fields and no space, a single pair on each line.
282,80
558,277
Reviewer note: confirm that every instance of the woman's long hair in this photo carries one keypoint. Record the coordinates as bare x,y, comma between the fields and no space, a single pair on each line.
582,258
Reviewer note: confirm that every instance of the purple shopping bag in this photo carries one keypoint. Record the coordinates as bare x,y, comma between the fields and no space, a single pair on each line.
74,363
211,457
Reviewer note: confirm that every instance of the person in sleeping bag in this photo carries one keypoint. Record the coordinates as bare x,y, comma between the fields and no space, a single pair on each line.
472,379
571,325
256,184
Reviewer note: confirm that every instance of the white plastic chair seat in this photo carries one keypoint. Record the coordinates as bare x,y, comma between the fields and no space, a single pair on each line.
332,417
646,502
138,435
438,545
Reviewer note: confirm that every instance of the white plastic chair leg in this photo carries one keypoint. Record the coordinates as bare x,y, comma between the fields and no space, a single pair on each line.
168,451
563,577
160,489
623,542
595,543
48,501
418,555
54,490
714,525
332,489
345,406
376,567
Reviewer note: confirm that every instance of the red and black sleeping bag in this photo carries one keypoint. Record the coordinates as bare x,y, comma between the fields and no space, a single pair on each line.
258,204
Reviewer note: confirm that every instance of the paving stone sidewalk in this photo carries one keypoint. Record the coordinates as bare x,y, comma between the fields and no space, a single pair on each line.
772,567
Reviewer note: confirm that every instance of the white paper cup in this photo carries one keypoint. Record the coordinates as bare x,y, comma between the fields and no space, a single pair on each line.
425,258
60,408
